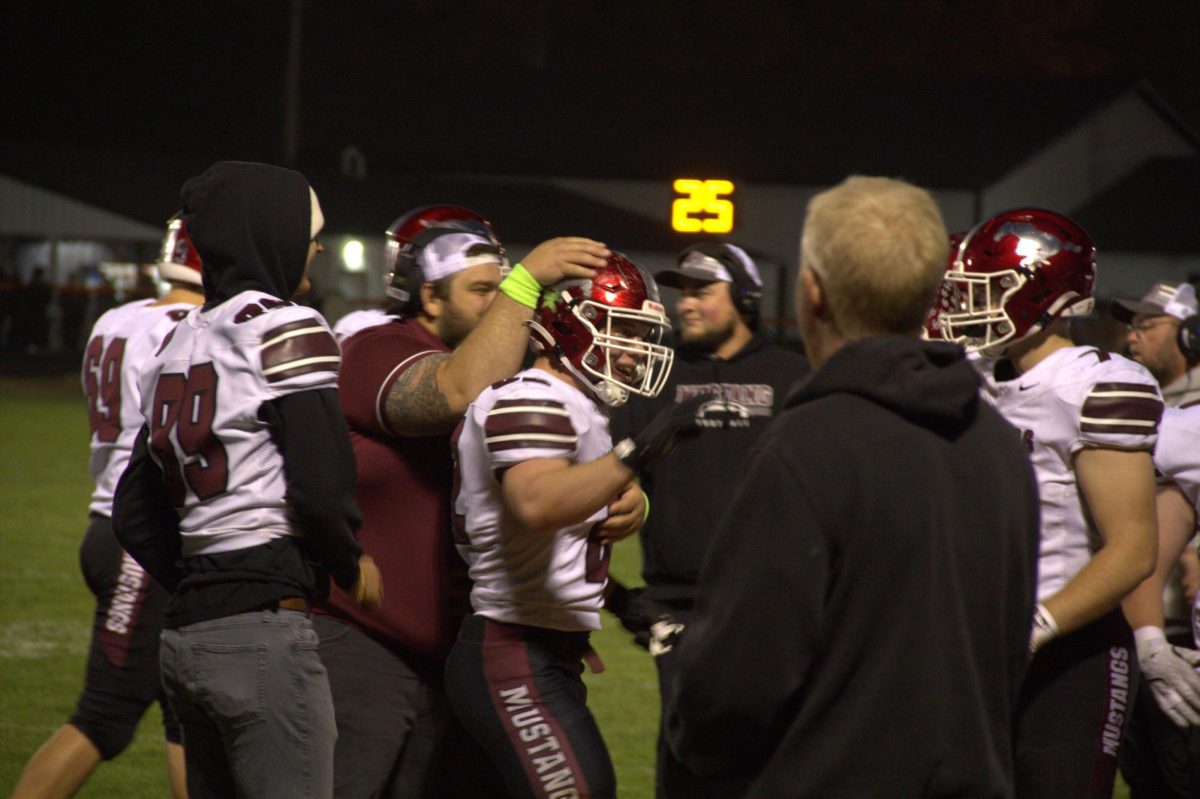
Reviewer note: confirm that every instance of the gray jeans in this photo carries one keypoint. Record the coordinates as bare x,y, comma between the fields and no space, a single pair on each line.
253,701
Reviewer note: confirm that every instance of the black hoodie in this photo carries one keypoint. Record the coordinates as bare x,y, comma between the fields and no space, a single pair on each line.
252,225
690,489
863,613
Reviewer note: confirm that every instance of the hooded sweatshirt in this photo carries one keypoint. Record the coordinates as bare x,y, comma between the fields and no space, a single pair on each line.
280,516
863,613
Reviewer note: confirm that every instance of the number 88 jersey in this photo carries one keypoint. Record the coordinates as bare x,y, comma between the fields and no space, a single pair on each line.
201,395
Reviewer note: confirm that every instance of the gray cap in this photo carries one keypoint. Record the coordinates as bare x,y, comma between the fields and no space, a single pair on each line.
703,262
1173,299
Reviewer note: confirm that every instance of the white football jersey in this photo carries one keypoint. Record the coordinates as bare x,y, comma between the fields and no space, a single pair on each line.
201,395
119,344
1075,398
554,580
355,321
1177,456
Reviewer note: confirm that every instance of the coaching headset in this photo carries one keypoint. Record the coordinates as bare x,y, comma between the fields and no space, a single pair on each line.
1188,339
745,292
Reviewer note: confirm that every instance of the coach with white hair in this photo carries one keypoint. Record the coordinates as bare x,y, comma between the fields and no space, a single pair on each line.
865,607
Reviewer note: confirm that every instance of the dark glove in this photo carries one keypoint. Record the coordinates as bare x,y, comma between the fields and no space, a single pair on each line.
653,627
673,424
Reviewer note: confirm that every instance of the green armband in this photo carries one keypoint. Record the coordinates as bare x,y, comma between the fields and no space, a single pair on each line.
521,287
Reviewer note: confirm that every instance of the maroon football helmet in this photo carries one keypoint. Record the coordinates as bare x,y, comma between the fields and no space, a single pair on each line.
589,323
945,295
409,235
178,259
1011,275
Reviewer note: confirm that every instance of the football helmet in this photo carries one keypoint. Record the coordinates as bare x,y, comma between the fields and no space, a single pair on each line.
411,233
178,259
944,297
1011,275
590,324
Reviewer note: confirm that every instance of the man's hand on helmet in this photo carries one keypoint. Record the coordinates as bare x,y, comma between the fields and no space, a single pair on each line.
564,257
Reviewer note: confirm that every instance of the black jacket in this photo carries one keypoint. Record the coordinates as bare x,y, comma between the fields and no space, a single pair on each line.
864,610
690,489
250,224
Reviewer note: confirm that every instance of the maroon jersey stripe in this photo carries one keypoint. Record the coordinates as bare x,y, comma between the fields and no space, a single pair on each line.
1142,388
302,369
528,403
507,424
311,350
1147,409
318,343
1128,429
530,443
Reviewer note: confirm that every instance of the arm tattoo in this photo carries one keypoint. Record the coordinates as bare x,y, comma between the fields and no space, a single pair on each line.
416,405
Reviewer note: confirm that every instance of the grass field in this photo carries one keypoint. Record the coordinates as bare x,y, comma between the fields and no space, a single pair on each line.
45,609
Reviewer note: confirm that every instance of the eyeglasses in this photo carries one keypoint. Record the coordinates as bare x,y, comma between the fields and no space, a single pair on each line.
1144,325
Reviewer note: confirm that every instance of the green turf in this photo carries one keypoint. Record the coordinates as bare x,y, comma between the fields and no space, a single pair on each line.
45,609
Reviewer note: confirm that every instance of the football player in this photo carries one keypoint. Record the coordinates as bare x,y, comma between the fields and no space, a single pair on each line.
1090,421
122,671
457,327
1155,751
537,473
238,498
1169,760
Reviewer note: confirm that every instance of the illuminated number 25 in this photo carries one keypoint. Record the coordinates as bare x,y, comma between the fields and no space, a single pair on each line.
702,207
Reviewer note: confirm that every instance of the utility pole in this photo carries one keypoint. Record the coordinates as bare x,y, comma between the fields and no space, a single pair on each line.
291,110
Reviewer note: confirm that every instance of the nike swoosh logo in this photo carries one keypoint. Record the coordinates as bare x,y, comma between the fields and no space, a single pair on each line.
1026,388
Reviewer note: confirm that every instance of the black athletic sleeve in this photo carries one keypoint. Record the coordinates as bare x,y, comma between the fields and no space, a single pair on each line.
760,600
318,463
144,521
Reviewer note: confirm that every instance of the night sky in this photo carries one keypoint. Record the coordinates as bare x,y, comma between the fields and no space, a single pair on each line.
555,87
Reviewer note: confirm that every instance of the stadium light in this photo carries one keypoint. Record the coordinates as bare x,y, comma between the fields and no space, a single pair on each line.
352,255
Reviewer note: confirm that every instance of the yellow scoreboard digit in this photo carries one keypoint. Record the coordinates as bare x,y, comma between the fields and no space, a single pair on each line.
702,206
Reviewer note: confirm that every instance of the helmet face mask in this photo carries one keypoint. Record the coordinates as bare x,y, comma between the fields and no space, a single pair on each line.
1012,275
607,331
178,259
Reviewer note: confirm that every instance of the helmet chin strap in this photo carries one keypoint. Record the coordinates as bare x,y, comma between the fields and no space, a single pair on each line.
610,394
607,392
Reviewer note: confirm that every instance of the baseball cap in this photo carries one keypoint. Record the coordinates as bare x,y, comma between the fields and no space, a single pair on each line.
704,263
454,252
1173,299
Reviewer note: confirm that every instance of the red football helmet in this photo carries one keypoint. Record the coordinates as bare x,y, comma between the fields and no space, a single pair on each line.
407,238
944,297
1011,275
178,259
590,324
